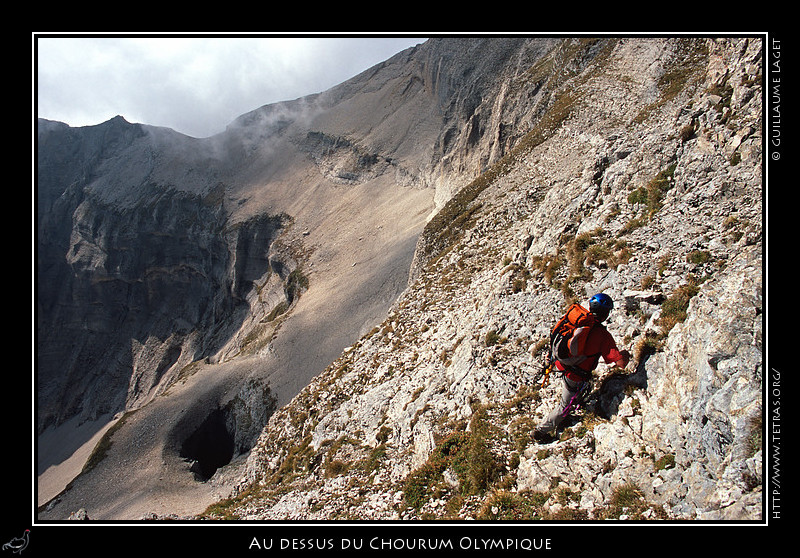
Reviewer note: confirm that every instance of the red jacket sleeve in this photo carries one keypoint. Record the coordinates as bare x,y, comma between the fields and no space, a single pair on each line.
601,343
609,351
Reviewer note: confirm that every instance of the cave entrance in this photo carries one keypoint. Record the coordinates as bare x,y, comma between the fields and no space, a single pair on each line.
227,432
210,446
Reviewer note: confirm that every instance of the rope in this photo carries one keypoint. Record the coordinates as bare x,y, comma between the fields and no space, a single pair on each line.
576,400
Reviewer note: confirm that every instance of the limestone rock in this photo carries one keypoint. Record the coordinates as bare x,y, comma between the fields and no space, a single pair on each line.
611,198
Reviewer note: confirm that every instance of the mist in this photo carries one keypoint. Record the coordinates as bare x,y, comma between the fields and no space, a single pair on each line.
194,85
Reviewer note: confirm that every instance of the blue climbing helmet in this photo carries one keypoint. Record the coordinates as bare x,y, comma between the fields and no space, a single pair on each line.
601,305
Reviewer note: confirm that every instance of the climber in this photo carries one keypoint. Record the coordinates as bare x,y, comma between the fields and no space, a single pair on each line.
596,342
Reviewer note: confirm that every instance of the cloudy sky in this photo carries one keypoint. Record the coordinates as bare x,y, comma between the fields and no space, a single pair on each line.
196,86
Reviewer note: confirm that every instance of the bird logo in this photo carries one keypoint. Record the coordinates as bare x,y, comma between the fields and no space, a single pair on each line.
18,544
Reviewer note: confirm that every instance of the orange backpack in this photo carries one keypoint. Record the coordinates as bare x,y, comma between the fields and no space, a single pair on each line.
568,337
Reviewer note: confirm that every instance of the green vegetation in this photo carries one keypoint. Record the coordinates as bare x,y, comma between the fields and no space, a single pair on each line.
591,248
279,309
698,257
514,506
691,56
296,283
652,194
560,504
101,449
492,338
674,309
666,461
466,454
648,344
467,462
549,266
755,434
627,501
226,509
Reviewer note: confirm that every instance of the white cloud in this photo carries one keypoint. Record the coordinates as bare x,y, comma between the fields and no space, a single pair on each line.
196,86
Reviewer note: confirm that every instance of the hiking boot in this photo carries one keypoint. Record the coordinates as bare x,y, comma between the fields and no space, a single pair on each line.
543,435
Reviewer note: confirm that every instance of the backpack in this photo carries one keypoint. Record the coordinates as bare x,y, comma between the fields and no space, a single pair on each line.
568,337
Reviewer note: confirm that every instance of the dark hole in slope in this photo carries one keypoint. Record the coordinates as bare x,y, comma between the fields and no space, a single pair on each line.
210,446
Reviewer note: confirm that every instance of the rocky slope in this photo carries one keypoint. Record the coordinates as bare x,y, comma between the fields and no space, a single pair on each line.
640,176
186,287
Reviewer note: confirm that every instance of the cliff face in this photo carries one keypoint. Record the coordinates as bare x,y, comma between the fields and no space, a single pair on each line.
641,178
468,189
135,286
